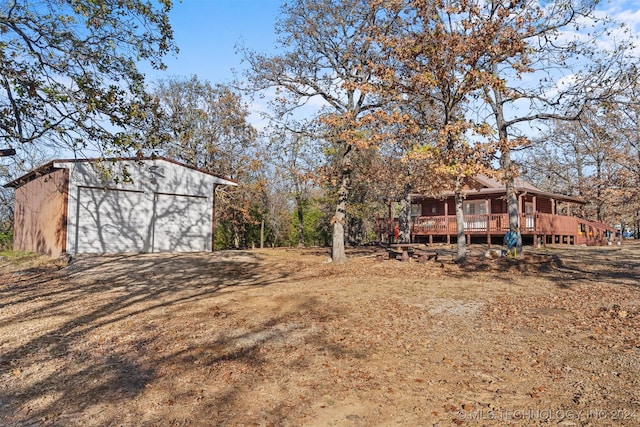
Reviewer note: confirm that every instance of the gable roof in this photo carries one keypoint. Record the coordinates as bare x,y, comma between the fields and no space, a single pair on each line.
56,165
486,185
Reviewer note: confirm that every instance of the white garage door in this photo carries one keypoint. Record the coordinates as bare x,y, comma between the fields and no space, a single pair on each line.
182,223
111,221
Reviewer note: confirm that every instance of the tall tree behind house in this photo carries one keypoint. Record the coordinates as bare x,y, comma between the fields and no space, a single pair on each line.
326,47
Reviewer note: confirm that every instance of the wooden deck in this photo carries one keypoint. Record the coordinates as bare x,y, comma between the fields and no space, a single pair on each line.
543,228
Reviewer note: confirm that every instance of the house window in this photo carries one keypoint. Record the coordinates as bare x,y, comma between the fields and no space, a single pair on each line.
475,207
416,209
528,208
529,215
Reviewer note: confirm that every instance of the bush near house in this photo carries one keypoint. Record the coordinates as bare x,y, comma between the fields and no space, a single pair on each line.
6,240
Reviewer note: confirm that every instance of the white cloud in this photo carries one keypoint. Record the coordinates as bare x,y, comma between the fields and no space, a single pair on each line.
628,14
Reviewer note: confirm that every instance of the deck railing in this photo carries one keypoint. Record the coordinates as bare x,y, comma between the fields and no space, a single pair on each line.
556,224
492,223
538,223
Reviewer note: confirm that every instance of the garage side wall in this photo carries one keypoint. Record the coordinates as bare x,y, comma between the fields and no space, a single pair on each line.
139,206
40,215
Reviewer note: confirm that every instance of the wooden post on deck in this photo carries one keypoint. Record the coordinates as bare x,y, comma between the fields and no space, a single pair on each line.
521,212
488,225
535,219
446,221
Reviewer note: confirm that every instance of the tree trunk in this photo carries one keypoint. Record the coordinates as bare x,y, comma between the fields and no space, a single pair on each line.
300,212
262,234
338,253
461,256
236,238
512,198
404,220
599,189
506,164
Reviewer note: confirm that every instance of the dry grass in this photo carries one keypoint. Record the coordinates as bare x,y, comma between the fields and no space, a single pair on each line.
279,337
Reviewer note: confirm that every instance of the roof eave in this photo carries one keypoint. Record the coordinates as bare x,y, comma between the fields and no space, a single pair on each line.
59,164
31,175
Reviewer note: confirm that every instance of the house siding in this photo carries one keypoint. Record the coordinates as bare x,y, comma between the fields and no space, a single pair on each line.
544,205
429,206
40,214
498,205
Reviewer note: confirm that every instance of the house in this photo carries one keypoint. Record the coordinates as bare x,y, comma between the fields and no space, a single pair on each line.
115,206
545,218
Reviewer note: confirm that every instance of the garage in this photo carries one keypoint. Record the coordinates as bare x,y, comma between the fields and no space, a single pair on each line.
180,223
110,221
115,206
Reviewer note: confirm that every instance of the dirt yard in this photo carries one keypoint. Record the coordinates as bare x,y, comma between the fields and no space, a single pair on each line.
283,338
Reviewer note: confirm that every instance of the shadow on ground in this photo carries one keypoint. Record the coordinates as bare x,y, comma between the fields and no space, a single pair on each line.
50,367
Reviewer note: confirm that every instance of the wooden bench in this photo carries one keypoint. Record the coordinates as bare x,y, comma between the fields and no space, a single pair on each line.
406,252
394,252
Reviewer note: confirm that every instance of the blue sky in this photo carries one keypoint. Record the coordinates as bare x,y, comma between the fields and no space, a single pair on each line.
207,31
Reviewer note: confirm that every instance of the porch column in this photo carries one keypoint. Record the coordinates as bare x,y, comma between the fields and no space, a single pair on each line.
487,209
446,220
520,210
535,220
488,225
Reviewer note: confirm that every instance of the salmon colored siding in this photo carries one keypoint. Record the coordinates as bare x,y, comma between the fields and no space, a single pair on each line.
428,206
451,206
498,205
544,205
40,214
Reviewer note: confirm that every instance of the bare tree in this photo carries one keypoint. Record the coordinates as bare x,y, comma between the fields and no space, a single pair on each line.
597,158
560,67
326,47
295,157
208,128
